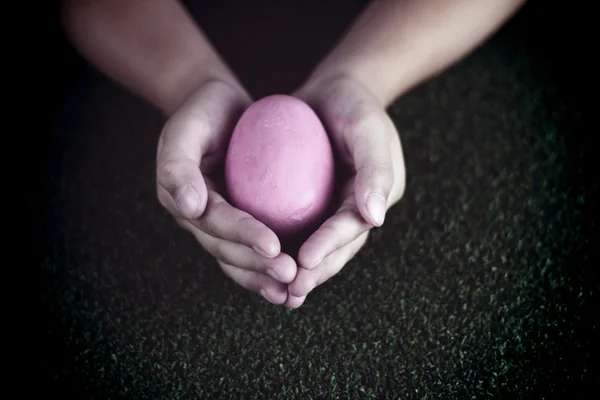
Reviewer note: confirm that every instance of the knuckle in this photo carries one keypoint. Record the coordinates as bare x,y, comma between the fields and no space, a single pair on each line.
329,230
380,173
219,208
205,226
243,224
369,121
218,250
384,174
255,264
166,170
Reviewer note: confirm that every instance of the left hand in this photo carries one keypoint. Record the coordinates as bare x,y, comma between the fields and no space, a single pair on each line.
367,142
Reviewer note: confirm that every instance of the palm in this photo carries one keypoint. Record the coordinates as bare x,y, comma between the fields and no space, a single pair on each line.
367,142
190,185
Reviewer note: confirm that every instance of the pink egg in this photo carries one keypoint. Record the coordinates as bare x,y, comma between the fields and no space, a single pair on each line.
280,165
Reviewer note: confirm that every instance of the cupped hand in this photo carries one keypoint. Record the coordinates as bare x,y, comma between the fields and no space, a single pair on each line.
367,142
191,148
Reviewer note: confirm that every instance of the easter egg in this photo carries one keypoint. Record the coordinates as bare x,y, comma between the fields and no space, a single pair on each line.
279,166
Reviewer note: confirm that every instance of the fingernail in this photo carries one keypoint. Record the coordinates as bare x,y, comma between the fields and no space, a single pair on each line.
376,207
262,252
187,200
263,293
274,275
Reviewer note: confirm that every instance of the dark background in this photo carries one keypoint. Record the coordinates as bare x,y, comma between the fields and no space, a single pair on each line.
480,285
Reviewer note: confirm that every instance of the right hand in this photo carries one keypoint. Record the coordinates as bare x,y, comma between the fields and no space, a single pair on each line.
192,144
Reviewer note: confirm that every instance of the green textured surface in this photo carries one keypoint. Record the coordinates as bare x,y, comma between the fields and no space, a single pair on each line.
480,284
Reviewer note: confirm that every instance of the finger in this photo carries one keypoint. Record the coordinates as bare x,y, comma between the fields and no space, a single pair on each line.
308,279
336,232
293,301
180,191
275,292
223,221
198,128
369,142
282,268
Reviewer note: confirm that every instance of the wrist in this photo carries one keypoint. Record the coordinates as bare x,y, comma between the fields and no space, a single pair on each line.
327,75
184,78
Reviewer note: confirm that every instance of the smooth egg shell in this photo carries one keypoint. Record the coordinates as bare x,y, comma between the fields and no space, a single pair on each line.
280,165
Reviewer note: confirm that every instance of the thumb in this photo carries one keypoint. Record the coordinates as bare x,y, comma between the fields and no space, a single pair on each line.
197,133
181,187
370,145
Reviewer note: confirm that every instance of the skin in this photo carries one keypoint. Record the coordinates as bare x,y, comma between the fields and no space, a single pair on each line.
155,49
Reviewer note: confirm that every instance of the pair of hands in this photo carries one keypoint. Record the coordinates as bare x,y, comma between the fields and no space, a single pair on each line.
193,144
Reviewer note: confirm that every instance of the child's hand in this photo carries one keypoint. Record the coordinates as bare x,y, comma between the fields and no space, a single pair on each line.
367,141
192,144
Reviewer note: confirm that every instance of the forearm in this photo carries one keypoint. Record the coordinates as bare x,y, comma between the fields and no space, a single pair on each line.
151,47
395,45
